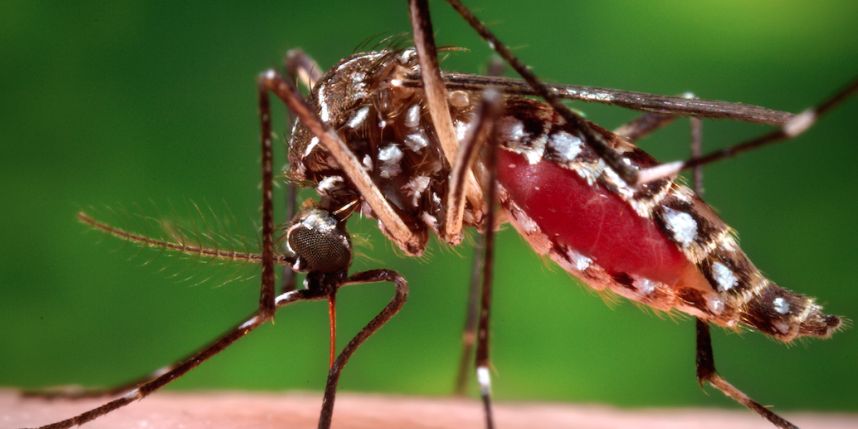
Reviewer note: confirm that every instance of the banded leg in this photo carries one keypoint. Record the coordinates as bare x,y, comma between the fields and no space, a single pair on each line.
386,313
173,372
484,130
705,359
797,125
469,331
267,290
439,110
482,361
642,101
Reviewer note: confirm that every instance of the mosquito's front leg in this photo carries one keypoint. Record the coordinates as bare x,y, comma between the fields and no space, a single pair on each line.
170,373
386,313
439,110
302,67
298,66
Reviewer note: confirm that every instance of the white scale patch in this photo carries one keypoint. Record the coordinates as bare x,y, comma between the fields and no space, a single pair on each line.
484,379
579,261
429,220
358,117
406,55
323,105
724,277
416,142
132,394
250,322
623,188
462,128
536,151
285,297
645,286
527,224
317,220
512,129
728,243
590,172
412,116
389,158
565,145
589,95
715,304
367,162
415,187
780,305
682,225
328,184
358,86
313,143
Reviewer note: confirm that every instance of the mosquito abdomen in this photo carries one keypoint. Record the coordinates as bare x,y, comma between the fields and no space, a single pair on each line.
659,245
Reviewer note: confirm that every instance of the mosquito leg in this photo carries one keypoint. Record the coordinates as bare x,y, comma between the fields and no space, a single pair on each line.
299,67
642,101
697,150
393,225
644,125
797,125
482,360
487,115
302,67
175,371
706,373
488,112
392,307
436,93
267,292
469,331
705,359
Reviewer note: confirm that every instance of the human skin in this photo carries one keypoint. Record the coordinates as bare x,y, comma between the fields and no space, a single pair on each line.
243,410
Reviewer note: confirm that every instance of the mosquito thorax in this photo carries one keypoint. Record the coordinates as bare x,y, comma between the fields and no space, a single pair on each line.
387,126
320,242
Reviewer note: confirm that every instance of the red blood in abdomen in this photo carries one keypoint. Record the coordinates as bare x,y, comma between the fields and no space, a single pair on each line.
589,219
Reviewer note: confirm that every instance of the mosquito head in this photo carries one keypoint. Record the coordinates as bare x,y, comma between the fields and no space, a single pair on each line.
320,242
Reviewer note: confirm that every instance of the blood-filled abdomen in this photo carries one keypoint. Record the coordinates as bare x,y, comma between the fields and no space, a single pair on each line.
589,219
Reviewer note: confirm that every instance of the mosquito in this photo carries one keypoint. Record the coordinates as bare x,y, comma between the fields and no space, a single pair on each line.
387,135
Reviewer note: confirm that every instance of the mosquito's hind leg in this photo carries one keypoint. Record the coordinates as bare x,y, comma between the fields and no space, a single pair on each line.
794,127
706,373
469,330
705,359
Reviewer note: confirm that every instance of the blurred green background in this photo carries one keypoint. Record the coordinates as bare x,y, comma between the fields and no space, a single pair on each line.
116,104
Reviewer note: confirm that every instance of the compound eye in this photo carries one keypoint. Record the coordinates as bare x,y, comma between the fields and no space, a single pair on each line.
320,242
